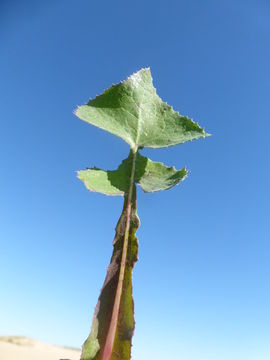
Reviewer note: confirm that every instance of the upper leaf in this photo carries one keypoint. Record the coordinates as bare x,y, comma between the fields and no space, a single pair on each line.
133,111
151,176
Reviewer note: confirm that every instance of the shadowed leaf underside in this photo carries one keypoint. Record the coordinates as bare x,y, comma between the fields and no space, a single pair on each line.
151,176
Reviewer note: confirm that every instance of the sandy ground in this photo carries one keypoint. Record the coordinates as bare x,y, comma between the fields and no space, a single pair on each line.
21,348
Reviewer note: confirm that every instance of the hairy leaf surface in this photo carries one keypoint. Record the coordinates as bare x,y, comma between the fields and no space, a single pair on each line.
133,111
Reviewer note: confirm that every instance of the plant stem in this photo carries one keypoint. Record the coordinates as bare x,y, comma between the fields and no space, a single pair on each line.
113,324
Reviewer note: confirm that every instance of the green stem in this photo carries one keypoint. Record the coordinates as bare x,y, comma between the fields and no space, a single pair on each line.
114,320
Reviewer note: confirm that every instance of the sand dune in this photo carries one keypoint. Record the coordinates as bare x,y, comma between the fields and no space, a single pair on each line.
22,348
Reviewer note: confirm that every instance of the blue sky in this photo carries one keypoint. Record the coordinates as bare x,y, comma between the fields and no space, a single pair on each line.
201,285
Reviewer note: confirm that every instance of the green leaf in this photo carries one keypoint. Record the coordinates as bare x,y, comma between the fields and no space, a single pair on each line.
155,176
93,348
151,176
133,111
105,182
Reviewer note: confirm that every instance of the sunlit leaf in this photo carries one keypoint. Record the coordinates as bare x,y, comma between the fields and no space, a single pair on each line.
133,111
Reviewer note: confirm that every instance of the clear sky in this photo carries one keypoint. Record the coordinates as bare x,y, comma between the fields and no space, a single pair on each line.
201,285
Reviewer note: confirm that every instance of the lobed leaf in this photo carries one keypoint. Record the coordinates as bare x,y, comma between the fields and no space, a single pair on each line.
133,111
151,176
156,176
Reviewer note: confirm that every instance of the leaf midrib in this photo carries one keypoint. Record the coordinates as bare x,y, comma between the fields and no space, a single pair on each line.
116,307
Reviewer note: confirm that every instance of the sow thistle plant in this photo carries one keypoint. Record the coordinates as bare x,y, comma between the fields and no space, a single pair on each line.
133,111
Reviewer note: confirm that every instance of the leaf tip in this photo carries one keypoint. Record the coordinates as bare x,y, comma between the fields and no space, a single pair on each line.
75,110
185,170
79,174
